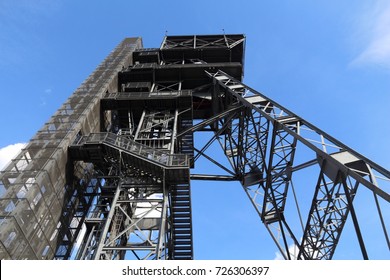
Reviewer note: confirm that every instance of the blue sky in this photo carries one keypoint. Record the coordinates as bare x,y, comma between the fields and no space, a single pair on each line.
327,61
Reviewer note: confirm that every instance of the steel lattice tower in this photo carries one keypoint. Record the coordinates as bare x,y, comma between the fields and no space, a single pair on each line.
112,168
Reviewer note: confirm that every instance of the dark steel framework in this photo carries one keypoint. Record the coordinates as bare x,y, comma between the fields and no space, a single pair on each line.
108,176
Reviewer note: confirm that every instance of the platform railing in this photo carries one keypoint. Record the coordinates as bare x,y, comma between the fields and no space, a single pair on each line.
143,95
160,157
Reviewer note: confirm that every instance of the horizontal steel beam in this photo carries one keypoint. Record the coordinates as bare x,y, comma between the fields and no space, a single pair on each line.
207,177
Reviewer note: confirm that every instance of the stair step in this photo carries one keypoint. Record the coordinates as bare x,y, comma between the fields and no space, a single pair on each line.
184,198
182,248
182,237
183,221
180,203
180,210
186,211
181,226
181,242
181,231
180,194
185,187
182,254
183,190
180,215
183,258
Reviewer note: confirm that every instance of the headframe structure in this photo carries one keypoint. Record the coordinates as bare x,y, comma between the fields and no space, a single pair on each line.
108,176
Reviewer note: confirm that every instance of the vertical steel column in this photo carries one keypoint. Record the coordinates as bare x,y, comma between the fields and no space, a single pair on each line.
174,132
162,242
98,253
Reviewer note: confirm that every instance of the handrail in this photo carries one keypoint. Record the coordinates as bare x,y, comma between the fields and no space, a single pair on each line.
143,95
128,145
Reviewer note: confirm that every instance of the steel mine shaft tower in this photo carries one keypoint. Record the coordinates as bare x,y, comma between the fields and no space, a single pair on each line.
112,168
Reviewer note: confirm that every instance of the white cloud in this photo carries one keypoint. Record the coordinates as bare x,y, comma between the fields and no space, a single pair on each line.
46,93
375,30
9,152
294,250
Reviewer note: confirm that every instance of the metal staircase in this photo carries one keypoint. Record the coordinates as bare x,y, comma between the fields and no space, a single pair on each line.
181,237
165,231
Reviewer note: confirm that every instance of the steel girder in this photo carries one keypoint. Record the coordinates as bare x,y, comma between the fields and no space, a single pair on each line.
262,144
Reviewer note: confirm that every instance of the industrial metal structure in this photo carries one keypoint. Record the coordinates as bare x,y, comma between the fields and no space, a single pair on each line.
109,174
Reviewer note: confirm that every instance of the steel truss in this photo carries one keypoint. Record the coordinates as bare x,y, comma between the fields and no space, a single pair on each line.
262,141
108,177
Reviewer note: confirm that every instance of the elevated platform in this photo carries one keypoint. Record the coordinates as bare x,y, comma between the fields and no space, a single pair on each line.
192,75
96,146
206,48
210,48
137,101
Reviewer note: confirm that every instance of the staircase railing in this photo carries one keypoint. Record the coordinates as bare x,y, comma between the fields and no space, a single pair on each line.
160,157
